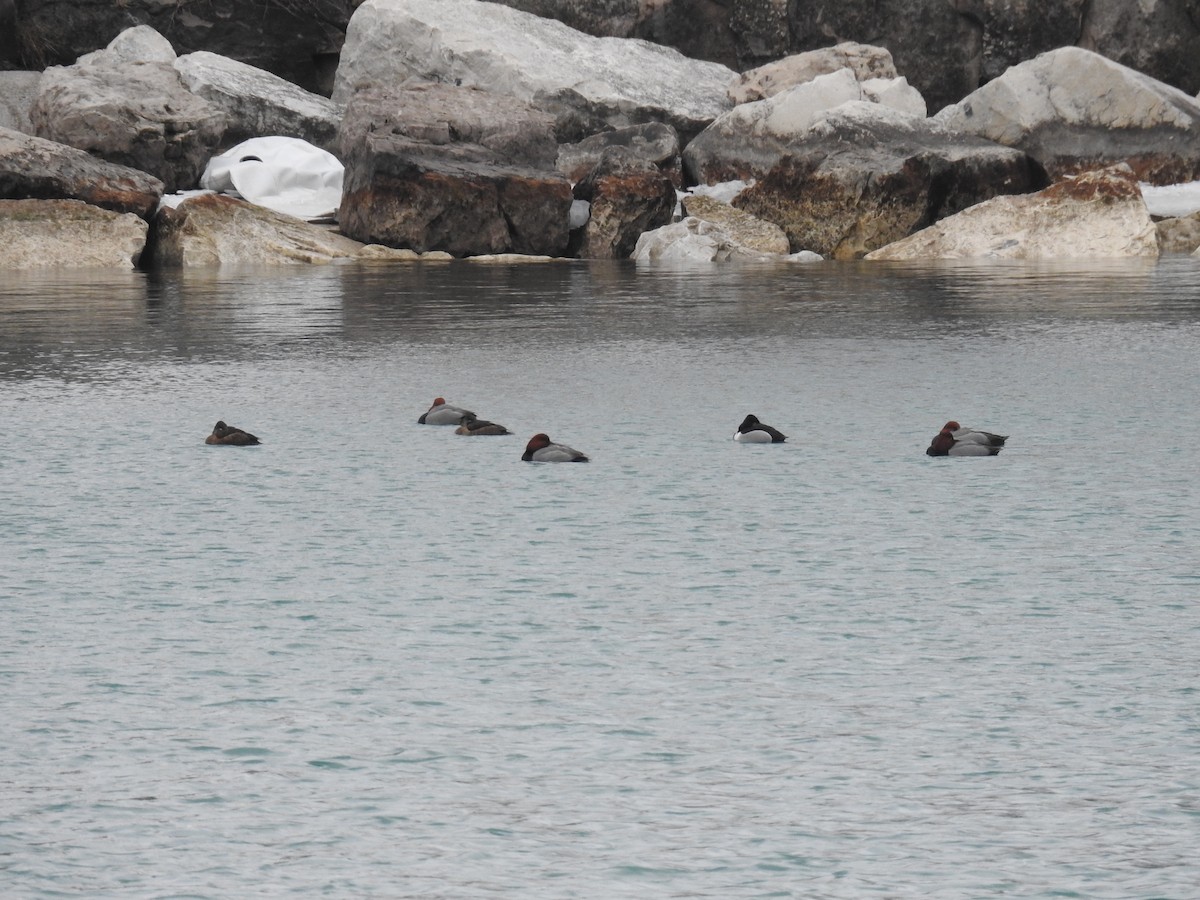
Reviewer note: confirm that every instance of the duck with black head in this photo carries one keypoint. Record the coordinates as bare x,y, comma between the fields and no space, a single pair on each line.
752,431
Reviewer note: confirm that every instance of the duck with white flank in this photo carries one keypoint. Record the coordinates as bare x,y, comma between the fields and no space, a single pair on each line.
442,413
230,436
541,449
471,425
752,431
955,440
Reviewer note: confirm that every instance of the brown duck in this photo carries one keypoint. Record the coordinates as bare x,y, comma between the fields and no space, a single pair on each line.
227,434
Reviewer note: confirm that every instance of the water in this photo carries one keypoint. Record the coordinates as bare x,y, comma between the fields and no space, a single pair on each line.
370,658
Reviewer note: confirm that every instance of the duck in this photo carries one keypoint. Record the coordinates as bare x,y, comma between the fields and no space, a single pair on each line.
442,413
541,449
752,431
469,424
955,440
234,437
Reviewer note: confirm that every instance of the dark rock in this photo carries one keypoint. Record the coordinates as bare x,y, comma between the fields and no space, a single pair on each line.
628,195
34,168
439,167
298,41
655,142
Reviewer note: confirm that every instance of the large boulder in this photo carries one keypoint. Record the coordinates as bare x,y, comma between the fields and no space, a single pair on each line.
34,168
1099,213
137,114
54,234
865,175
751,138
257,103
629,195
864,60
654,141
439,167
589,84
216,230
1073,110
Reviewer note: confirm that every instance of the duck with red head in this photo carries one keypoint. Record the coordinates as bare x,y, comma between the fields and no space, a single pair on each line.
230,436
442,413
541,449
955,440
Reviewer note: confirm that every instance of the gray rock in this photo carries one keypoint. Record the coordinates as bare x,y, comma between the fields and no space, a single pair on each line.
438,167
1098,214
140,43
747,230
751,138
1179,235
218,230
34,168
655,142
53,234
589,84
629,195
134,114
865,176
692,240
1074,110
257,103
18,90
864,60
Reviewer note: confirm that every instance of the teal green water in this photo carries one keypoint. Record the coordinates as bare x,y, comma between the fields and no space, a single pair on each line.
371,658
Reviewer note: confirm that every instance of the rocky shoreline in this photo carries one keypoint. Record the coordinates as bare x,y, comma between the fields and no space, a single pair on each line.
474,130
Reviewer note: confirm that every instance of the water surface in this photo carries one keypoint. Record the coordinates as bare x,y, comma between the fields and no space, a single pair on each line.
370,658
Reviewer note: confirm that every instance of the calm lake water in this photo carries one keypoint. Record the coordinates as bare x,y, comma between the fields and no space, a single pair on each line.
375,659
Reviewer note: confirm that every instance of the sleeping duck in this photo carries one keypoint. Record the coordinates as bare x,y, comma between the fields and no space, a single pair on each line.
469,424
541,449
955,440
234,437
752,431
442,413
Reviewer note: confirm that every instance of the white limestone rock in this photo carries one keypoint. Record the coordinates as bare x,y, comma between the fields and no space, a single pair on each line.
1073,110
141,43
1098,214
693,240
588,83
748,140
864,60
